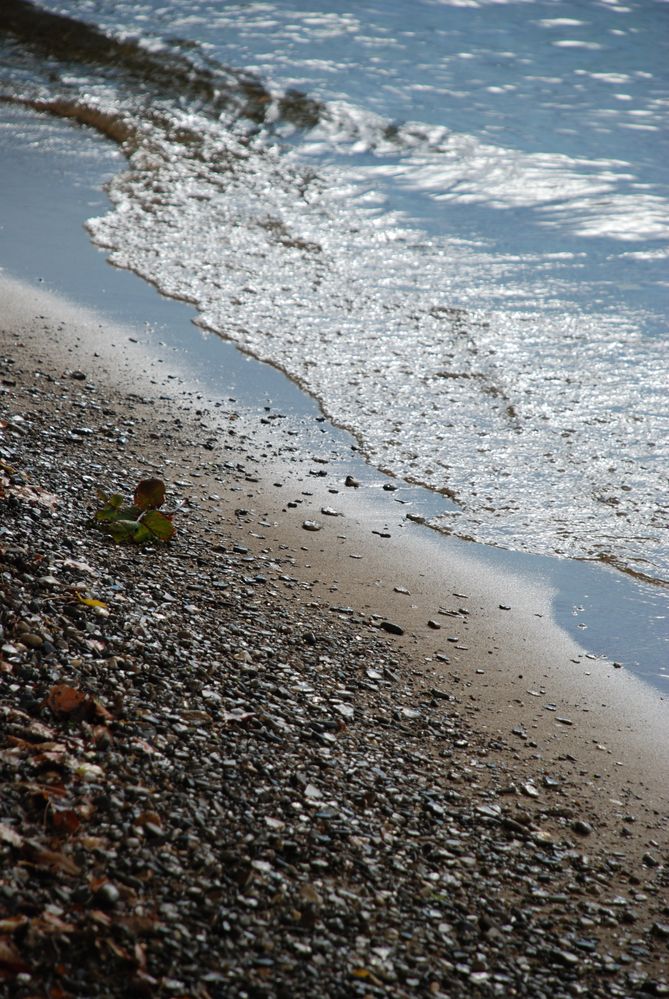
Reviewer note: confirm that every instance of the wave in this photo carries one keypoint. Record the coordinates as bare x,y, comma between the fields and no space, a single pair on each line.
545,429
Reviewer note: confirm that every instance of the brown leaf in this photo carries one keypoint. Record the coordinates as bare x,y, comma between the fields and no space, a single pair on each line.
51,860
65,701
68,702
49,922
10,924
44,793
65,820
99,711
11,962
149,494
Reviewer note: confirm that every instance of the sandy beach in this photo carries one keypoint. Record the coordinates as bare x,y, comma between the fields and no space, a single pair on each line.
404,778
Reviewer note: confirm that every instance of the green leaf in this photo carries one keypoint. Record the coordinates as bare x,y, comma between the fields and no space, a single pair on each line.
124,530
125,513
160,526
142,534
113,505
150,494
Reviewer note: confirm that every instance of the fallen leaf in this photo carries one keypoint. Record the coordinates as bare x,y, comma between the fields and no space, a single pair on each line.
45,792
9,835
51,859
65,820
12,923
149,494
91,601
49,922
69,702
65,701
159,524
11,962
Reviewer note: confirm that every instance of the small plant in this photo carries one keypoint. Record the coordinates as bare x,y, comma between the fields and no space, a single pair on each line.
143,521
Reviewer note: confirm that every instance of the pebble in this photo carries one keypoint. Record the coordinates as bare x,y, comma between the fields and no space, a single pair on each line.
265,798
312,525
392,629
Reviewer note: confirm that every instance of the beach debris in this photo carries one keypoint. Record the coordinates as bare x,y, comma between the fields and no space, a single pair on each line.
329,511
141,521
351,481
312,525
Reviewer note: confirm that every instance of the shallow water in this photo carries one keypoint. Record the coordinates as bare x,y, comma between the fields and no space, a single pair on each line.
49,187
450,227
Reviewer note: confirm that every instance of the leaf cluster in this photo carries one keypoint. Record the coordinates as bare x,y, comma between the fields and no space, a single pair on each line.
142,520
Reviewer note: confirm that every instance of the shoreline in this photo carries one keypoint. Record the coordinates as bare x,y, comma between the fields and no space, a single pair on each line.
369,555
336,808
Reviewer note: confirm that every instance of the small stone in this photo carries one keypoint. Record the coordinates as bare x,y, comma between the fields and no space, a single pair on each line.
312,525
392,629
581,827
434,624
351,481
108,894
389,487
31,640
328,511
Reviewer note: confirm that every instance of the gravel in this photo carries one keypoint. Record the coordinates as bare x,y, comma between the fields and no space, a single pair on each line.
213,785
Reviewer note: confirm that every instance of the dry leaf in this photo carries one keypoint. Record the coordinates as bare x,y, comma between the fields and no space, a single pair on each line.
51,860
65,820
9,835
49,922
65,701
12,923
91,601
11,962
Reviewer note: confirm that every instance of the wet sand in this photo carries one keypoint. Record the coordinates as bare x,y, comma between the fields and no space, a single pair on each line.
486,635
286,762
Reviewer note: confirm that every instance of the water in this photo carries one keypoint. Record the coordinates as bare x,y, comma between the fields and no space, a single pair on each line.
447,221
